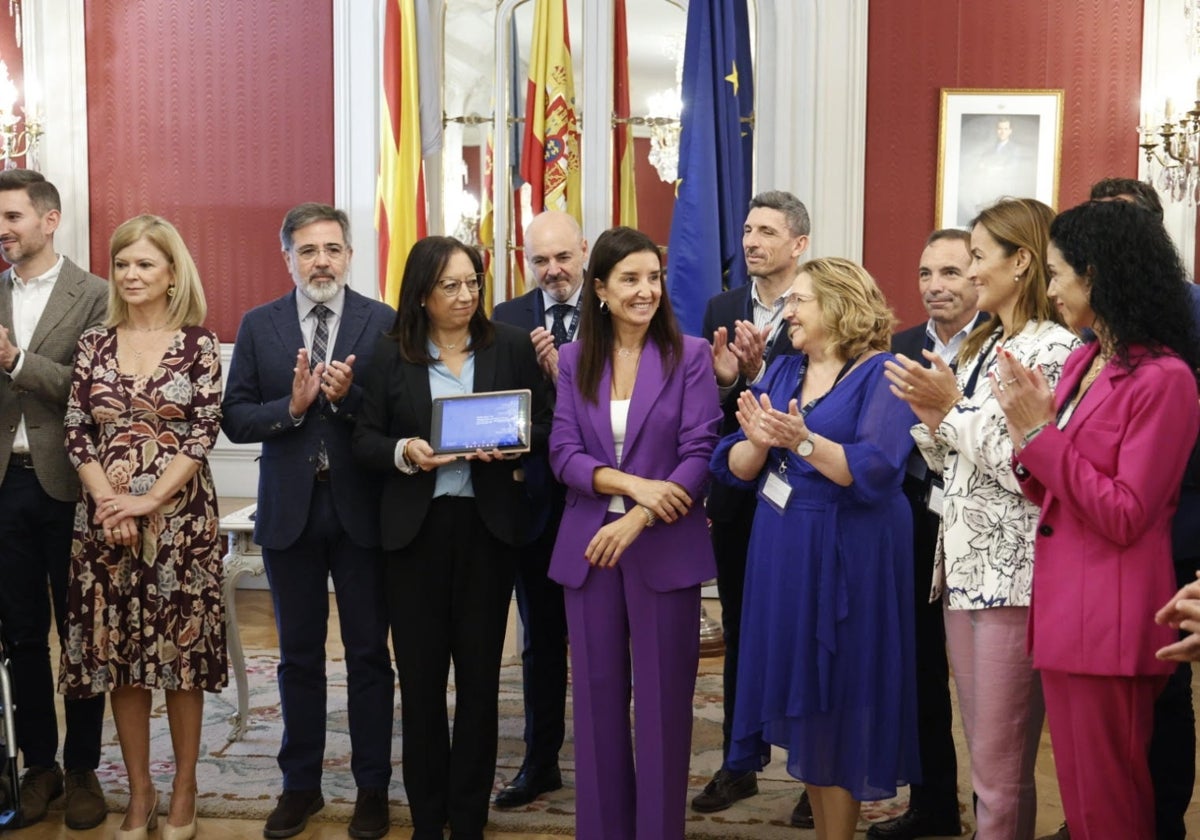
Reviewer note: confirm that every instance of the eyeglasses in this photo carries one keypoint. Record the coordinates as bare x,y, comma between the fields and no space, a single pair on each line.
792,301
308,253
451,286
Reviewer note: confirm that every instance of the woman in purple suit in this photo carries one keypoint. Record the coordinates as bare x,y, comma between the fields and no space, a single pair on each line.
635,425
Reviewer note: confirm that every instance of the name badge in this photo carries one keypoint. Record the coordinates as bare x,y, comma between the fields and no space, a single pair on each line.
936,495
776,492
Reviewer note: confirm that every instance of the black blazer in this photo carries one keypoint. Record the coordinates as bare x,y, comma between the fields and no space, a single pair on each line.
397,404
726,503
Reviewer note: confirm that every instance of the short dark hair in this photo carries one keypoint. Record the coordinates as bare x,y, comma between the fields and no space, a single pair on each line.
595,326
1139,288
42,194
950,233
791,207
303,215
422,270
1136,192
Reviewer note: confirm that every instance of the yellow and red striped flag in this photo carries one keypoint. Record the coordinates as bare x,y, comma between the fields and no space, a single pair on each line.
400,193
624,189
550,157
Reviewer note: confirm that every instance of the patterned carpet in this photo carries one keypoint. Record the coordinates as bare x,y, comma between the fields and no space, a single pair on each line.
241,780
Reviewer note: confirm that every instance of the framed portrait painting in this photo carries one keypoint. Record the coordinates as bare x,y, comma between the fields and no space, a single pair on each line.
996,144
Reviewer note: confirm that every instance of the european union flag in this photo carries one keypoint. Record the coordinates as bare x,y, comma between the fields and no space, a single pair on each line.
715,157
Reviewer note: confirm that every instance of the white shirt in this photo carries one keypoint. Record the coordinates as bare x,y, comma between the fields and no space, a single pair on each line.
618,412
948,350
572,301
29,299
308,320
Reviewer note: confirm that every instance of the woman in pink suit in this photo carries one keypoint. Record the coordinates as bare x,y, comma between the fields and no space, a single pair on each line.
634,427
1103,456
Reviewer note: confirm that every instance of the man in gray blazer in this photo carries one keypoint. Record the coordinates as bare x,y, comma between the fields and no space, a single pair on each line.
294,386
46,302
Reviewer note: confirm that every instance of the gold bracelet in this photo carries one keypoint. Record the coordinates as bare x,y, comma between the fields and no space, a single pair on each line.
650,517
953,403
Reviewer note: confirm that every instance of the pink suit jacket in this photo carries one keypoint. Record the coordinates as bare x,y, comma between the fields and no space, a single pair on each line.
1108,485
670,434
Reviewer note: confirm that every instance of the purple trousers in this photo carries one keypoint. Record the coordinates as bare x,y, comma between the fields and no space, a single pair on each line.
627,639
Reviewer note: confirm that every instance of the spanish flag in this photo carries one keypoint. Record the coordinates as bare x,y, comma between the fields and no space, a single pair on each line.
550,156
624,189
400,194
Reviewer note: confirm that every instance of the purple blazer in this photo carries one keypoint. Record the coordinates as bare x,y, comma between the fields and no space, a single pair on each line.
1108,485
671,433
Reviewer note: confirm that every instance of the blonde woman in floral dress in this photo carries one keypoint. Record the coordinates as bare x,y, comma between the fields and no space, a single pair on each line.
144,600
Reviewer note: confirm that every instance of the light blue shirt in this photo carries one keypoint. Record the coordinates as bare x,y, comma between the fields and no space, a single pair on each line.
453,479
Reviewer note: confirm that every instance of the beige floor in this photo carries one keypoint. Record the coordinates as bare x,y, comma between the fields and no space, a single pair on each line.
258,634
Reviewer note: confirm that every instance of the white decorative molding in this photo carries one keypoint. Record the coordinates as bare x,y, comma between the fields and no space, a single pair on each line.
1164,60
234,465
357,49
53,35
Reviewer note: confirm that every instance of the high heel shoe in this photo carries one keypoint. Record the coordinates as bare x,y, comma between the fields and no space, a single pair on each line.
181,832
142,832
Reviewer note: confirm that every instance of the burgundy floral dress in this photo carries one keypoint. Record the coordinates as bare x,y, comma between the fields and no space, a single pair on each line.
152,616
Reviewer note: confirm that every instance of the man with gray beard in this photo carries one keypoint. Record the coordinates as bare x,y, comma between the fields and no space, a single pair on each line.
294,387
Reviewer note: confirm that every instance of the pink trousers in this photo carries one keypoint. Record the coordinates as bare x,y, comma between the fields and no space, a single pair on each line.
1000,699
1100,727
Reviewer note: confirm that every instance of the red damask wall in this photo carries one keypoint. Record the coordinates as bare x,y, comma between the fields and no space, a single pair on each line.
1089,48
217,115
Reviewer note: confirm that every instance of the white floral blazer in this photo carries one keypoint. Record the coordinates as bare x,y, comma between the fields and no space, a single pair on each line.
985,546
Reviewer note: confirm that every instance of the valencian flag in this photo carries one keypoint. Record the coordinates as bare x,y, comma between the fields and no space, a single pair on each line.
550,156
624,188
400,192
715,157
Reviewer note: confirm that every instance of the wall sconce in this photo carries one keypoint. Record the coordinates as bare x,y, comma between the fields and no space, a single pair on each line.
18,142
1172,149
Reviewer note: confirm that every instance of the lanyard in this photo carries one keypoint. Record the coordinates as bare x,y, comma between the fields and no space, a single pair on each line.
815,401
969,391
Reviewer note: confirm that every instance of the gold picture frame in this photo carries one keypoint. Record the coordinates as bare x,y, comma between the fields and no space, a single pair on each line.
996,143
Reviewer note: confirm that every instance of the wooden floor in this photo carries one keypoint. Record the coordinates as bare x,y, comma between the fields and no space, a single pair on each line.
258,634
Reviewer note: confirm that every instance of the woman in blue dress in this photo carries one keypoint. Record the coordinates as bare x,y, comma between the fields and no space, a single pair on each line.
826,668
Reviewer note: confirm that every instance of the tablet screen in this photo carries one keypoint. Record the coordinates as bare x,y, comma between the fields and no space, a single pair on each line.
496,420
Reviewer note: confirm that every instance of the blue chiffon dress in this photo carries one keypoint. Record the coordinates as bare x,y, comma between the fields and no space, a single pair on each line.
826,665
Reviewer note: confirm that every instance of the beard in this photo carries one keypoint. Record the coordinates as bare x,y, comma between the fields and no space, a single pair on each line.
321,292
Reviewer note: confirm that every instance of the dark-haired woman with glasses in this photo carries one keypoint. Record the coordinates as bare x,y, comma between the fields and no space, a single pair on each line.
449,527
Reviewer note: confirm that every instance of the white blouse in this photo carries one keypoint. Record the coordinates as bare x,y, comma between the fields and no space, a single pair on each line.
619,413
985,546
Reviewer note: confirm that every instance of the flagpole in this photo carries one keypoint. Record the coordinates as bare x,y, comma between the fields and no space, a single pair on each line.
596,139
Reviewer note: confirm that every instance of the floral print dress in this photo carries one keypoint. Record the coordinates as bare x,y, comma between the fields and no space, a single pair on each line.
152,616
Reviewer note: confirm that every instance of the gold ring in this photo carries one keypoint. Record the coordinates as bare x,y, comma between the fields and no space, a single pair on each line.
1010,381
911,388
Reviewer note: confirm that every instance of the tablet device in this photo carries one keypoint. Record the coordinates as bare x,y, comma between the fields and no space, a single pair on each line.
492,420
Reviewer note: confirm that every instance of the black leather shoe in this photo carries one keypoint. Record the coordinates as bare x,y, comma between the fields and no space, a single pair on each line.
292,812
371,819
726,787
912,824
802,814
529,784
1063,833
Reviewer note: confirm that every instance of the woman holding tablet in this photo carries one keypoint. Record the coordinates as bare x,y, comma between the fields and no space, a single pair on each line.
634,426
449,525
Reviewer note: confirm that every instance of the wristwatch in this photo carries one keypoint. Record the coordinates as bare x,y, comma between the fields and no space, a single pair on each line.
805,447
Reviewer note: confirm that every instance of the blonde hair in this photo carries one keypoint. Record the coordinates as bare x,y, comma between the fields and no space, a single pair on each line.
186,307
1017,223
855,313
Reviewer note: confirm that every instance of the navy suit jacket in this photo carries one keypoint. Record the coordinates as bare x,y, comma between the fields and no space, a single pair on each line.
726,503
545,494
255,409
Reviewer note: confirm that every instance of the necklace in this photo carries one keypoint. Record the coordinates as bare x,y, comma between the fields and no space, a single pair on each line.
625,352
1093,372
448,346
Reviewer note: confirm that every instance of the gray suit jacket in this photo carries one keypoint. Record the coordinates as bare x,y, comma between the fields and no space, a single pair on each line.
39,391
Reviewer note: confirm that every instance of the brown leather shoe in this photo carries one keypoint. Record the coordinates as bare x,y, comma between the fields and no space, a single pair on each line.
1063,833
39,787
85,806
